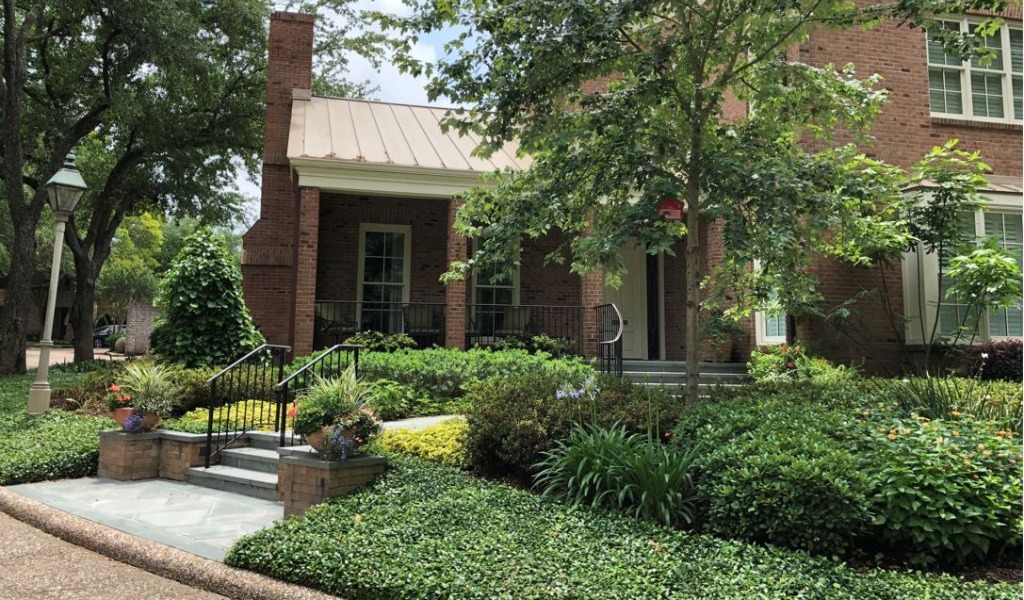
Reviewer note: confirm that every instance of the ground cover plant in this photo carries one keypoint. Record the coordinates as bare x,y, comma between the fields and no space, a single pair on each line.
428,531
443,443
54,445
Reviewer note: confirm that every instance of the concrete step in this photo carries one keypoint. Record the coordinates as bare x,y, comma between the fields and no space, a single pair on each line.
256,484
253,459
268,440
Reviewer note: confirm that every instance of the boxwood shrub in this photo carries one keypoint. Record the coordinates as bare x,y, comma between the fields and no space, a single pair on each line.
428,531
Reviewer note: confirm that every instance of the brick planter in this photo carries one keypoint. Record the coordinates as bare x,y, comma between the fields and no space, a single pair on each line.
179,452
128,456
304,479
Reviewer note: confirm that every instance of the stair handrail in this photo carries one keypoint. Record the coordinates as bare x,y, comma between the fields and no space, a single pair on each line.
255,359
610,352
287,387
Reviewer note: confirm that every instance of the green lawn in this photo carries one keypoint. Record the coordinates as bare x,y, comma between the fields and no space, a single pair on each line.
55,445
427,531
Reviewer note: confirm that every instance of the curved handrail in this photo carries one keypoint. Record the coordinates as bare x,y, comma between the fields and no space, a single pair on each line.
618,316
261,348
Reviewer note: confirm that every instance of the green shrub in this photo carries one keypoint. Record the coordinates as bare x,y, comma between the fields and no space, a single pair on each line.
55,445
945,492
780,472
382,342
442,443
84,366
792,363
554,346
204,320
428,531
951,397
513,419
194,390
328,401
151,386
392,400
630,473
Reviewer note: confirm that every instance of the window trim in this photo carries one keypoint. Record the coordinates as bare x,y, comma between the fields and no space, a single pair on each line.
365,228
965,70
761,337
920,277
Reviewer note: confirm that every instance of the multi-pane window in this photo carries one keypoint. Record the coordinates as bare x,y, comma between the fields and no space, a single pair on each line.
1005,228
384,270
493,291
983,88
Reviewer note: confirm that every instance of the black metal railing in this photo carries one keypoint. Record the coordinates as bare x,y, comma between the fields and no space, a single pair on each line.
500,325
609,336
327,365
242,397
337,320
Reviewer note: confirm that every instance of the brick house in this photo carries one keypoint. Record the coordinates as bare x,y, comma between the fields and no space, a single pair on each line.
358,200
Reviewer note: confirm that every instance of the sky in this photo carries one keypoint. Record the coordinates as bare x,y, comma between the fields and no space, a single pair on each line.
393,86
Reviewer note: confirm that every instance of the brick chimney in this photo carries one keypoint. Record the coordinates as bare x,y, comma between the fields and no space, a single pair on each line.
269,248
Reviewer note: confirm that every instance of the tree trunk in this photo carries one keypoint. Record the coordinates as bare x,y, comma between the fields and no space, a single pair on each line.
18,297
82,309
693,275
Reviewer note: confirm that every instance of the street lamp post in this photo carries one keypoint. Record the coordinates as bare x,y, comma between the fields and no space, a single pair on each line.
64,189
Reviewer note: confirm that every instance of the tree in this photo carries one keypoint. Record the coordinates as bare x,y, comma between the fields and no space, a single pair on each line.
204,320
603,161
129,275
161,100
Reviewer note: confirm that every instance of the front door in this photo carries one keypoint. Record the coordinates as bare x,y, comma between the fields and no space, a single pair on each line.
631,298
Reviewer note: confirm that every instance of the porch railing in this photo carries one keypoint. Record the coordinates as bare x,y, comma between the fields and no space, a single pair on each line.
502,325
327,365
242,397
609,336
337,320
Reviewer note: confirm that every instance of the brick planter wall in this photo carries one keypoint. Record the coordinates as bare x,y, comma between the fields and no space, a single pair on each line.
128,456
179,452
305,480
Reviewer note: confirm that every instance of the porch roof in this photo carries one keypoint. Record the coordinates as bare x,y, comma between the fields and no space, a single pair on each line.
370,147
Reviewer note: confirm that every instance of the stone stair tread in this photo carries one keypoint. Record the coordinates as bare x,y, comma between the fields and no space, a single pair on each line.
234,474
263,454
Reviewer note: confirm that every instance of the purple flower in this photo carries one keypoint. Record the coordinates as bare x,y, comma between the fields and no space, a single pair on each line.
133,424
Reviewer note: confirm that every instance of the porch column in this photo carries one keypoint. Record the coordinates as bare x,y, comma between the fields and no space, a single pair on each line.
307,236
591,295
455,291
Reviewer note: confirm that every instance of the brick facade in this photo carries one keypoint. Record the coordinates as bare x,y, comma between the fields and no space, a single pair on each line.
304,480
141,317
456,249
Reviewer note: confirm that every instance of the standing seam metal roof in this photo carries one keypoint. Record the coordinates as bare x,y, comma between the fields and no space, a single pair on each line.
382,133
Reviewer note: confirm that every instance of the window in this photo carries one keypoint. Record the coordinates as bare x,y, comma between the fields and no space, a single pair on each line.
977,89
1005,228
769,324
492,292
383,275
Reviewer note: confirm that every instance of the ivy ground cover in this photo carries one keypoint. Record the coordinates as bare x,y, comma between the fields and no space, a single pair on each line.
429,531
55,445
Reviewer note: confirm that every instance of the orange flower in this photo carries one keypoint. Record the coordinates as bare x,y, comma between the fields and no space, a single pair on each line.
114,388
294,410
892,437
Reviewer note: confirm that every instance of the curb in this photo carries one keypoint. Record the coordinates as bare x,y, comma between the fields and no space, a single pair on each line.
156,558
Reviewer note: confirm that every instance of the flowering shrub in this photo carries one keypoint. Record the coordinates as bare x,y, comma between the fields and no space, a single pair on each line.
943,491
117,398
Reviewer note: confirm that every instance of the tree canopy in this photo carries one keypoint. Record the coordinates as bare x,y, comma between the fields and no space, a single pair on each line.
622,104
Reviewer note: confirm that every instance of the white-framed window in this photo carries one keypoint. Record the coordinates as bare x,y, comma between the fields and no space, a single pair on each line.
491,295
977,89
1002,221
383,275
769,325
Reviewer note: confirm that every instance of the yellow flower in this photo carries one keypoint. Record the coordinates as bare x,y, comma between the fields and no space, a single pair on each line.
956,433
967,463
955,413
906,432
939,441
987,453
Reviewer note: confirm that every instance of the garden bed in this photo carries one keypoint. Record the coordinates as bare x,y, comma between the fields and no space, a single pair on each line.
425,530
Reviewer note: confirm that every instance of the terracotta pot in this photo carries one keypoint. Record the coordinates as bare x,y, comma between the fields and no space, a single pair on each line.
120,415
316,440
149,420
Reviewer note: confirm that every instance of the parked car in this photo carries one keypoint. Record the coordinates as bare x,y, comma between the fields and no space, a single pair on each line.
101,337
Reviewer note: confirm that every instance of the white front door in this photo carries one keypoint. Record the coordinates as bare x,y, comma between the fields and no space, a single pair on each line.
631,298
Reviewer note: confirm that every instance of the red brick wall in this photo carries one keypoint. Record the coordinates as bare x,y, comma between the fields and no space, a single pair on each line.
456,249
902,134
268,254
340,216
550,284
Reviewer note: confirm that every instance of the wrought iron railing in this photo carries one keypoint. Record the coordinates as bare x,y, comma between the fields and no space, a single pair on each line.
337,320
609,336
499,325
242,397
329,364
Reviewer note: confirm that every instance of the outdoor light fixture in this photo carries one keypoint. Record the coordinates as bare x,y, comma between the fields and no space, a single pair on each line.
64,189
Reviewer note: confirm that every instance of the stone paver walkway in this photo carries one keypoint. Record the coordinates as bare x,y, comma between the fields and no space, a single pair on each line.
39,566
199,520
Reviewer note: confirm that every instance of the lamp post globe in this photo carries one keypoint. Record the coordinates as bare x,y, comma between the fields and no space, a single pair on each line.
64,190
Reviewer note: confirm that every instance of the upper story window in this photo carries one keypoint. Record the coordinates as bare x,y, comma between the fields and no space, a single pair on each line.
977,89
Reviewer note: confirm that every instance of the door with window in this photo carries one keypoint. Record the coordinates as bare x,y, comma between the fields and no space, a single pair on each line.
384,273
631,298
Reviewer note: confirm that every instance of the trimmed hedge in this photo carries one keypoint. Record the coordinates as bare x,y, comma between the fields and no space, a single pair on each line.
427,531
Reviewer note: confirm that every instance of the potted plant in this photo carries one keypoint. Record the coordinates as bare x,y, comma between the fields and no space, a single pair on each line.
333,415
151,392
718,337
119,402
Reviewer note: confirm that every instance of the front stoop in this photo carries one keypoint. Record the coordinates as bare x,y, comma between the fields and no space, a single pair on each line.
256,484
306,480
